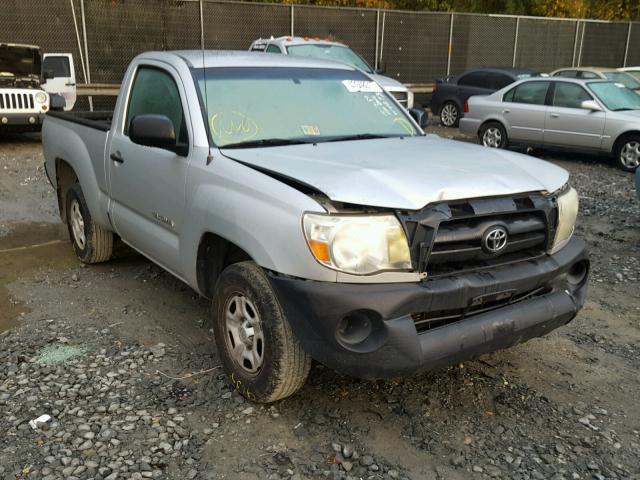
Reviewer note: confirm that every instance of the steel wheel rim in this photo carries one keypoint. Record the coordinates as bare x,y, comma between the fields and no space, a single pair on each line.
492,137
449,114
243,333
77,224
630,154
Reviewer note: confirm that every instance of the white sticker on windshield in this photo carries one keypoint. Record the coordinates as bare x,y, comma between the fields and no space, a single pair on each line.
619,85
355,86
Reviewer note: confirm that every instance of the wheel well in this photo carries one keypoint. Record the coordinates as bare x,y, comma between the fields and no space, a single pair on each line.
622,137
65,177
214,255
491,120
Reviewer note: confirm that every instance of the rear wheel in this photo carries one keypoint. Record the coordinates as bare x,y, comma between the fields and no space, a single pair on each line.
449,114
493,135
627,153
91,242
259,352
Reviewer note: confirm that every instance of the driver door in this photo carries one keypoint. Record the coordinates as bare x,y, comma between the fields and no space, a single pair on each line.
148,183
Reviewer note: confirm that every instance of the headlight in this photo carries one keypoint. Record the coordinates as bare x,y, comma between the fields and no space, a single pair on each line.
567,213
409,99
40,97
357,244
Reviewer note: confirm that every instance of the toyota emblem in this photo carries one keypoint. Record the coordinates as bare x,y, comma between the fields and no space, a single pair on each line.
495,239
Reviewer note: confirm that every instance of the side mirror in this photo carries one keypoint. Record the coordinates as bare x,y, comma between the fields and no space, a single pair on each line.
420,116
591,105
48,74
153,131
57,102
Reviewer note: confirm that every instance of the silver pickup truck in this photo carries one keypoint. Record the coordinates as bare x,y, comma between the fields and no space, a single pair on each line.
319,218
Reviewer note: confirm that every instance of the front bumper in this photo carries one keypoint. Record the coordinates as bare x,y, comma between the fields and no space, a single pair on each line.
9,120
394,347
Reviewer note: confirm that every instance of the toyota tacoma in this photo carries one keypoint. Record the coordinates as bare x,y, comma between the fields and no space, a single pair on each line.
318,217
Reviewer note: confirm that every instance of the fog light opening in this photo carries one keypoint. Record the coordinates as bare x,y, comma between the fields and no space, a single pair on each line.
354,328
5,120
32,120
577,274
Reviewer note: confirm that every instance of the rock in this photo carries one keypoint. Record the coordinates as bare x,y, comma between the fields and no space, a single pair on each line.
347,450
366,460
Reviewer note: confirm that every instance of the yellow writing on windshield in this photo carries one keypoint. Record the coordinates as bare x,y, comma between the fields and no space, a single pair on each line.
232,126
404,123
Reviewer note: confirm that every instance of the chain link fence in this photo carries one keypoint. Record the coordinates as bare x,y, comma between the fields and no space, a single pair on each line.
414,47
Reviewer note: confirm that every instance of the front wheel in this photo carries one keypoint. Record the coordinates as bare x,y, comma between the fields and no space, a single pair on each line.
628,153
258,350
493,135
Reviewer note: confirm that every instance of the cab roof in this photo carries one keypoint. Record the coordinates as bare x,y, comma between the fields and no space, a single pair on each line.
232,58
286,41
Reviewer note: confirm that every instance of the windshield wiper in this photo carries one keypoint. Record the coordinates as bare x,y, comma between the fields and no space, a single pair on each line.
360,136
624,109
266,142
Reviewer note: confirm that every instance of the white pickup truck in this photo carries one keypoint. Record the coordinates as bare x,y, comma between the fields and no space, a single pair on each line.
323,223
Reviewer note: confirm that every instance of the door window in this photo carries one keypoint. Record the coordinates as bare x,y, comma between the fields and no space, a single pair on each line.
534,93
273,49
569,95
474,79
58,65
155,92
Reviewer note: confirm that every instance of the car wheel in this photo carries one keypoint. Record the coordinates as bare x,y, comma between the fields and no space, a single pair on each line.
262,358
91,242
628,153
493,135
449,115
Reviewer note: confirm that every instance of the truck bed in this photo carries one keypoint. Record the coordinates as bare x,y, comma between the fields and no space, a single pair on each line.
100,120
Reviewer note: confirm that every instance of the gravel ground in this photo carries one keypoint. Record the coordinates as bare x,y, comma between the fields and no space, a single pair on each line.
120,356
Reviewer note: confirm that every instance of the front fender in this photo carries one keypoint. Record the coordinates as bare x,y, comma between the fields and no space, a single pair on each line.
259,214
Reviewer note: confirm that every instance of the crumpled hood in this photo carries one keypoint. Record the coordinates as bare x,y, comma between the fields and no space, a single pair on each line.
405,173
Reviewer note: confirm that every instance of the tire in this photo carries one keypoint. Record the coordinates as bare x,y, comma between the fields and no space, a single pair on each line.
627,153
493,135
449,114
262,358
91,242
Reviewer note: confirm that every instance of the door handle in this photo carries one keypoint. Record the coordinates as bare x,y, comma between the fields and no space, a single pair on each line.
116,157
70,84
554,115
506,110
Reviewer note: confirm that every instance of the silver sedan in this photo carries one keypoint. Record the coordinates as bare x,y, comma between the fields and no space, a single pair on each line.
590,115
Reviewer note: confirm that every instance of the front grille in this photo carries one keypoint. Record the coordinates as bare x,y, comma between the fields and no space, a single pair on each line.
401,97
447,238
424,321
16,101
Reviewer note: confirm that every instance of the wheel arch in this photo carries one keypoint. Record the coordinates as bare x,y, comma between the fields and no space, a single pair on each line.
65,177
623,136
490,120
215,253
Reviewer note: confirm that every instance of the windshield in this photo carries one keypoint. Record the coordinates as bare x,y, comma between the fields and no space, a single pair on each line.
19,61
624,78
270,106
615,95
336,53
